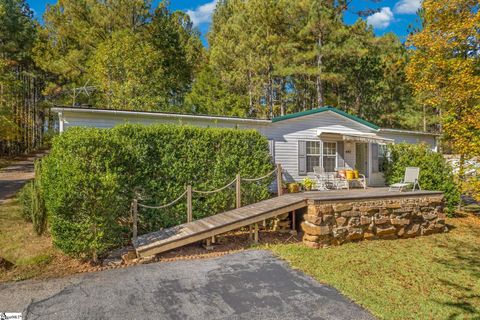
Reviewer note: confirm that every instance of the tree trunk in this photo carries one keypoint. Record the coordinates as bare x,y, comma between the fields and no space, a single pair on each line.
424,119
250,94
320,101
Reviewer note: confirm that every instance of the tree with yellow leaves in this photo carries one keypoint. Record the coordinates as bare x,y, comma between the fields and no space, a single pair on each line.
444,71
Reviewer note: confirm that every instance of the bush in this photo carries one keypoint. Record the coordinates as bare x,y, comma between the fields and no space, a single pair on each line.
90,177
25,199
435,172
32,202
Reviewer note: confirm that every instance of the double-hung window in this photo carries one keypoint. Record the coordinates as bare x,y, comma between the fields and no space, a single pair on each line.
329,156
313,155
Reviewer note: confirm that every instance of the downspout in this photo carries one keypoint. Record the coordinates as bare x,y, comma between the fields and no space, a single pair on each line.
60,122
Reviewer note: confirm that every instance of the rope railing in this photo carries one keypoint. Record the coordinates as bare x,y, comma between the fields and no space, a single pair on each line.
189,193
216,190
165,205
261,178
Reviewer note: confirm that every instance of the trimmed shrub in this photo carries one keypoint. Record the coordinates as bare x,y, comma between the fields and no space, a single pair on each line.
24,197
32,202
435,172
91,176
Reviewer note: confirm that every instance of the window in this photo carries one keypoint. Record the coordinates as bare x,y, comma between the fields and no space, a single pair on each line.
382,157
313,155
329,156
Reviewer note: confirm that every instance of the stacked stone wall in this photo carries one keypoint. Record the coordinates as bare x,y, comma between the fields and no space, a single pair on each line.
327,224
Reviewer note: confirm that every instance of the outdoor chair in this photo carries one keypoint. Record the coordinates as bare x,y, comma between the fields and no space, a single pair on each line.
321,177
344,183
411,177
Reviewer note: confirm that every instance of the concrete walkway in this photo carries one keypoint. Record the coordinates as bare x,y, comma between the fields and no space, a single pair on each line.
14,176
247,285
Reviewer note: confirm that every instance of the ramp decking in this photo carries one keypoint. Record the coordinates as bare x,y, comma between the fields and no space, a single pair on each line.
171,238
167,239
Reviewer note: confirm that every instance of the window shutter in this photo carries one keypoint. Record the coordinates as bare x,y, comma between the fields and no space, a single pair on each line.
271,149
340,155
302,158
375,168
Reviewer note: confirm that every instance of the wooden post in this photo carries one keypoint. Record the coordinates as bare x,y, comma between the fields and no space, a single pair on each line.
189,204
294,228
250,235
238,191
135,219
279,179
255,234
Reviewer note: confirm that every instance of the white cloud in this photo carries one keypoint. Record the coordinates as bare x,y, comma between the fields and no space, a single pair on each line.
203,13
407,6
381,19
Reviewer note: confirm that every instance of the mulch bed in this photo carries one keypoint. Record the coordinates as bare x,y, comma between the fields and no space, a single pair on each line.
227,243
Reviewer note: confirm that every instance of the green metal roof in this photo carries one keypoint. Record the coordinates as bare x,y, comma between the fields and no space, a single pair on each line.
319,110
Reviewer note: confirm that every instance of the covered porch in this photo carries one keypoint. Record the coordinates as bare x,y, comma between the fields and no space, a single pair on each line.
335,151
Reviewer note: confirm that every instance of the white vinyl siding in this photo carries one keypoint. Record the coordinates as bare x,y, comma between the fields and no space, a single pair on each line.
285,137
288,134
410,138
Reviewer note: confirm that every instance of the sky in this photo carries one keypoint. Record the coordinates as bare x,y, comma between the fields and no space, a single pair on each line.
393,16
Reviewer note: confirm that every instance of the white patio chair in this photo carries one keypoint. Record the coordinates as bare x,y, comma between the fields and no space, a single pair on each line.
321,177
411,177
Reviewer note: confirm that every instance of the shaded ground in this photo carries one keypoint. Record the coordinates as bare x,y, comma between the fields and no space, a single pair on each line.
36,258
431,277
247,285
16,174
33,255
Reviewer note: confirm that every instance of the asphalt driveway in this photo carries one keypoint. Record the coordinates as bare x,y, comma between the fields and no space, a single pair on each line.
247,285
14,177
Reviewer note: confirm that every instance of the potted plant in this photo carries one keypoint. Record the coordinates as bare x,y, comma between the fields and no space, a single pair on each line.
308,184
293,187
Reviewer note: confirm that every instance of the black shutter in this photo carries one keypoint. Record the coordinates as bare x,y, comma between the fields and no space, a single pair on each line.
375,167
302,158
340,154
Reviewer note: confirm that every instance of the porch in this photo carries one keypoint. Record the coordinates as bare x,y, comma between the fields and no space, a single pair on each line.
334,151
290,204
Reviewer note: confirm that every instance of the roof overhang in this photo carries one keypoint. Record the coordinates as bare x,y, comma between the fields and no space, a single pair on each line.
128,113
401,131
353,137
351,117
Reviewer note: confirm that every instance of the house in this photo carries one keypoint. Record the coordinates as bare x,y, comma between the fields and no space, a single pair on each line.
325,136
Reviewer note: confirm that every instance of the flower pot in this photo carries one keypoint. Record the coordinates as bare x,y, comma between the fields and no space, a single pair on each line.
350,174
293,187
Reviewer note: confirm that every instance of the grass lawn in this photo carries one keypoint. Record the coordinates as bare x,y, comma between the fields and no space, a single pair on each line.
33,255
433,277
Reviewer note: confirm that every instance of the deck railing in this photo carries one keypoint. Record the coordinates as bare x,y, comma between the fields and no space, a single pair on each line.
189,191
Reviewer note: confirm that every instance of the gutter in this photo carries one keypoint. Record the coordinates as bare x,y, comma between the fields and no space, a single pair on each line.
156,114
409,132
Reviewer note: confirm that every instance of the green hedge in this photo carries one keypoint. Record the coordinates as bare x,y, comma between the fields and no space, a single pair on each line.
91,175
435,172
32,202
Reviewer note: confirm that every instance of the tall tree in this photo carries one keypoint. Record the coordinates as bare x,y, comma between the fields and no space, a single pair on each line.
76,35
445,69
288,56
20,83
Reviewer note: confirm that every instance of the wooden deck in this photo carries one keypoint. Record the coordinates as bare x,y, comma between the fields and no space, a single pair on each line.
171,238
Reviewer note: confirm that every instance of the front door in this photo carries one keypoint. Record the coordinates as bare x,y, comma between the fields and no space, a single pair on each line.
361,158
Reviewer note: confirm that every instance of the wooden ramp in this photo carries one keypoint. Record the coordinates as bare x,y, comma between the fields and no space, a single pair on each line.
171,238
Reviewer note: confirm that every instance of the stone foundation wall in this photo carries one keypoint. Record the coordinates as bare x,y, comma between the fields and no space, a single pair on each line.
334,223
